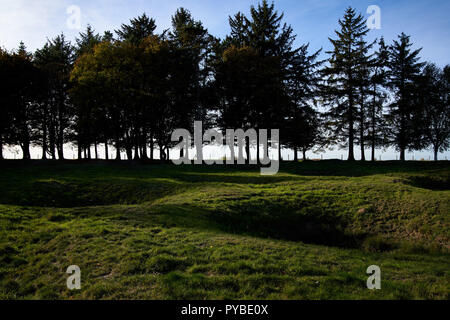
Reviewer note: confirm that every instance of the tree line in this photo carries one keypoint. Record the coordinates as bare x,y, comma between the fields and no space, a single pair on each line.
132,87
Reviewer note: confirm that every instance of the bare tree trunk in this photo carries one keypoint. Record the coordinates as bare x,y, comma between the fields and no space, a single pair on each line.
79,149
61,152
25,142
152,146
247,149
106,151
257,147
136,139
402,154
363,147
1,146
361,130
295,154
95,150
373,151
351,130
60,142
60,127
373,136
117,148
44,137
26,150
162,154
402,140
351,154
129,151
128,146
144,146
136,151
52,139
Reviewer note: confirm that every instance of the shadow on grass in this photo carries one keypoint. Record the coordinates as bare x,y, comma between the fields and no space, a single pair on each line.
328,230
432,182
316,229
62,193
282,225
250,174
359,169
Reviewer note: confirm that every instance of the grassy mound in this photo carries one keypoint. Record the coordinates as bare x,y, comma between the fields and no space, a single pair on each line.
162,231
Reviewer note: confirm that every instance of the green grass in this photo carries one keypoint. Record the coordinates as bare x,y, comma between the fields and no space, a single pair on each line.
197,232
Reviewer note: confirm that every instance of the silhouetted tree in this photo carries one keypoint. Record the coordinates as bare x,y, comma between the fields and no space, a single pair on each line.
343,77
265,48
138,29
433,90
378,81
404,115
192,46
23,98
87,41
366,62
303,123
6,72
55,59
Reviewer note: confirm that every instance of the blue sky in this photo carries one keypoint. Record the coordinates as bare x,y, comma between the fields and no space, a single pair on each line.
314,21
33,21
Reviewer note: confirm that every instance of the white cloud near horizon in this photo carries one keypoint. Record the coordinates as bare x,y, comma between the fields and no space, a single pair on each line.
30,21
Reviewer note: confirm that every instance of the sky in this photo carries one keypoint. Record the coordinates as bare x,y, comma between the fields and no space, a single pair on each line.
314,21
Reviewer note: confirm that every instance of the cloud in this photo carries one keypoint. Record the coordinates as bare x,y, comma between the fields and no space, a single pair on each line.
30,21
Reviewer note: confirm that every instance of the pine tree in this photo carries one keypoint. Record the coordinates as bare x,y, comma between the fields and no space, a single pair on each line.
88,120
108,36
265,32
262,35
404,117
239,30
343,78
23,97
192,49
433,92
55,60
6,72
364,90
133,35
87,41
138,29
378,82
302,126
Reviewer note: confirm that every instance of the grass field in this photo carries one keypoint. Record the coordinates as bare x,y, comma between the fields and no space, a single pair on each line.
141,231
